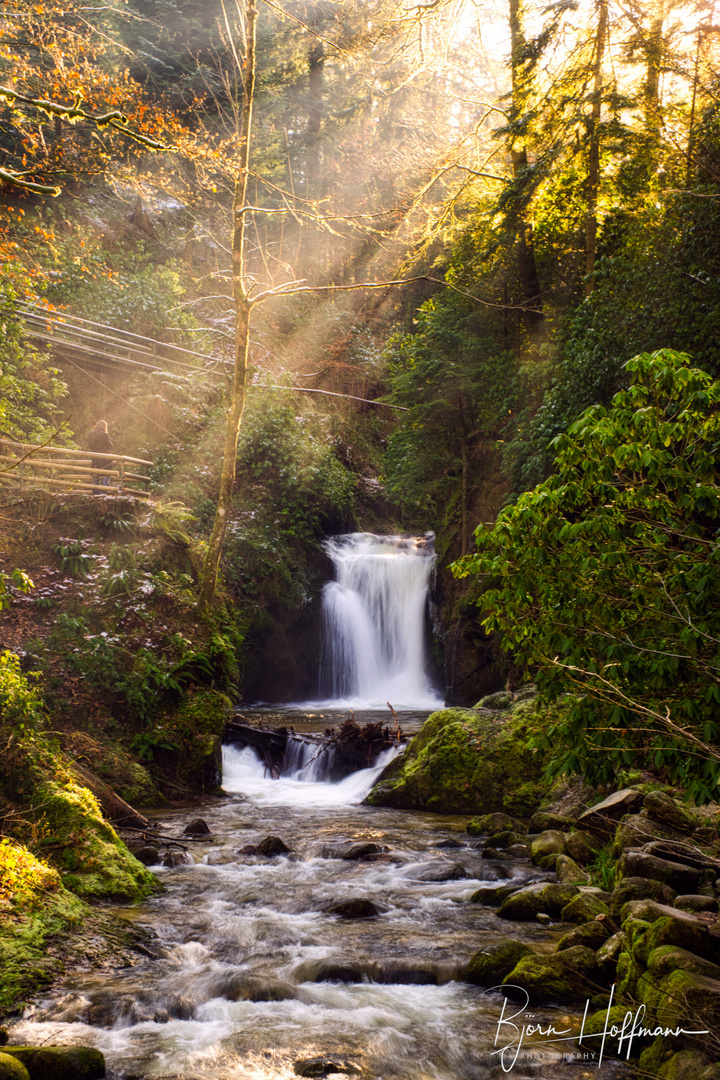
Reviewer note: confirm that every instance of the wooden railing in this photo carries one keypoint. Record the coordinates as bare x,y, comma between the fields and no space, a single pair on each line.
60,470
106,346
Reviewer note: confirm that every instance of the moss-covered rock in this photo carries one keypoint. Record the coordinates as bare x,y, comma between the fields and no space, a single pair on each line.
60,1062
639,888
563,977
467,762
612,1021
583,908
549,842
686,1065
668,810
677,876
689,1001
568,870
668,958
490,965
12,1069
627,973
636,830
582,847
591,934
488,824
541,898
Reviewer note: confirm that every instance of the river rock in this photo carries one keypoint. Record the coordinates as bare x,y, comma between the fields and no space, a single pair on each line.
519,851
351,971
197,827
321,1066
636,831
467,762
505,838
546,897
175,858
668,958
602,818
490,965
412,973
668,926
435,871
696,903
544,820
685,1065
500,700
353,909
448,844
582,847
59,1062
683,879
248,849
639,888
272,846
661,806
608,955
568,870
592,934
563,977
685,995
352,850
583,908
493,895
550,842
12,1069
488,824
148,855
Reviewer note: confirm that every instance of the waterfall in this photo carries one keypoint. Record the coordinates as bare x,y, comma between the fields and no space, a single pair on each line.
374,622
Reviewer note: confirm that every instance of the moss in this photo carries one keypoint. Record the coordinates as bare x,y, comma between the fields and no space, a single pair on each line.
687,1065
467,762
583,908
195,730
605,1020
563,977
35,907
60,1062
490,965
11,1069
626,976
92,860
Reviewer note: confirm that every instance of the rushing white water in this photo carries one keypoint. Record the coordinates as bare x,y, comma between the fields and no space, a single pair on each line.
374,623
245,774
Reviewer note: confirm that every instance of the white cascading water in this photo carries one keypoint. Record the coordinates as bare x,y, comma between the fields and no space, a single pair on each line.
374,623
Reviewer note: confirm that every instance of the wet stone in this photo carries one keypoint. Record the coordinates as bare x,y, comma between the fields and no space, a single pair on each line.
448,844
175,858
197,827
320,1066
249,849
272,846
439,872
148,855
352,851
353,909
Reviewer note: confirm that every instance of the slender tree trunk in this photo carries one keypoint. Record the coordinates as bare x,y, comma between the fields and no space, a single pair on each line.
527,266
243,308
594,155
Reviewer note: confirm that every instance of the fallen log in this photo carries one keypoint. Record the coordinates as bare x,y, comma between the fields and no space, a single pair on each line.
119,812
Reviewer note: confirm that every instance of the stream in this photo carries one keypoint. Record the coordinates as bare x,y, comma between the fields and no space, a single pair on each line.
254,975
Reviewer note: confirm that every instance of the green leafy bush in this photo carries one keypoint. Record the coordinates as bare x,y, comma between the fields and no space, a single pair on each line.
605,579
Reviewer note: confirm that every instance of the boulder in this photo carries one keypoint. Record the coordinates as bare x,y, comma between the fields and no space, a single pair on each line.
696,903
490,965
608,955
601,819
582,847
448,844
636,831
685,1065
544,820
59,1062
439,871
550,842
689,1000
605,1020
467,762
543,896
563,977
322,1066
683,879
519,851
493,895
668,926
660,806
12,1069
488,824
591,934
505,838
197,827
712,1072
501,700
568,870
494,853
148,855
272,846
352,850
351,971
639,888
172,859
353,909
583,908
668,958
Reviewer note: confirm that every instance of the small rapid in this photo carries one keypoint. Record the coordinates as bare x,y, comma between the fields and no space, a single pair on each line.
252,971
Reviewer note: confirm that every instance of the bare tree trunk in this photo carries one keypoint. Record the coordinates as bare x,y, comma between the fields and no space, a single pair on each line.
594,155
243,307
527,266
